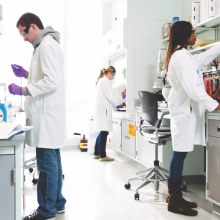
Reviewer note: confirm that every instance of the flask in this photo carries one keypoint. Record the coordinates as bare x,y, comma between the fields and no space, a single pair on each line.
84,144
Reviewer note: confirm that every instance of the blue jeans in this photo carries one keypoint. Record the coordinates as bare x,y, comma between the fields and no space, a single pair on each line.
100,145
176,166
49,189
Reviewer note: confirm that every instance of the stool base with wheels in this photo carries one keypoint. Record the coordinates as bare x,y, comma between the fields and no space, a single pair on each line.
150,128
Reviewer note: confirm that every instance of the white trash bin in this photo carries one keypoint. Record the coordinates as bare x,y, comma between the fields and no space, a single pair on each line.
92,136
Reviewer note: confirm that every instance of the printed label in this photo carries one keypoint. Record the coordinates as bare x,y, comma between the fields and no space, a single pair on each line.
83,145
131,130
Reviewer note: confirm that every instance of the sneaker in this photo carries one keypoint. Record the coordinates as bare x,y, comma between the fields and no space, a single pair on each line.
36,216
96,157
107,159
60,211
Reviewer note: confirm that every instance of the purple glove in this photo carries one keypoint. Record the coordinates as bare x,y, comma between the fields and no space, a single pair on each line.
123,96
14,89
19,71
119,106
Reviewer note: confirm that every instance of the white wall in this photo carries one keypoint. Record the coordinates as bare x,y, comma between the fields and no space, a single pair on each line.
106,18
155,10
187,8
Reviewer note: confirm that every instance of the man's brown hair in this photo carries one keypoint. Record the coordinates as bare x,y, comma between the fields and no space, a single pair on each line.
29,18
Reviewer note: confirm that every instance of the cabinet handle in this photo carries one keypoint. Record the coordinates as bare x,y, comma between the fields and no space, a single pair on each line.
13,172
218,129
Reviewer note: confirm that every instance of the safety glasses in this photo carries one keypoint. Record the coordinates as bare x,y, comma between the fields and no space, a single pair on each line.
113,74
193,31
24,33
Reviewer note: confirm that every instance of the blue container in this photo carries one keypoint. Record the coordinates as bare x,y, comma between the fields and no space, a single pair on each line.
175,19
3,113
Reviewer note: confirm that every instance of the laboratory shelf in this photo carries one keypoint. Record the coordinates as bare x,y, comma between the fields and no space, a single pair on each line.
204,26
203,48
165,40
210,23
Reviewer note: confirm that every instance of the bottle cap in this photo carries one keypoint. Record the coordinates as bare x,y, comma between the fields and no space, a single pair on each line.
176,18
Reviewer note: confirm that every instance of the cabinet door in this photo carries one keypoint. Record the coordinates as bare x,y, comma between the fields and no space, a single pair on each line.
116,134
7,187
214,168
129,138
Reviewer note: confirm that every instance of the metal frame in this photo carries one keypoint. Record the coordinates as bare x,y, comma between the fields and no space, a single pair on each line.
156,174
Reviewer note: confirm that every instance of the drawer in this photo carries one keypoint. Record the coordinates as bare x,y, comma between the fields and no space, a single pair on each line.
214,128
9,150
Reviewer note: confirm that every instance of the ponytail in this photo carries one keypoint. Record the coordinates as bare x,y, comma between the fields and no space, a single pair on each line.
102,73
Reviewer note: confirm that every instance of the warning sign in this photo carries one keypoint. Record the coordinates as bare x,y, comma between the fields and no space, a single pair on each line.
131,130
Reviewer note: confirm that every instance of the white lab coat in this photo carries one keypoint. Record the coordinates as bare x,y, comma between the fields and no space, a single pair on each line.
45,109
188,99
105,97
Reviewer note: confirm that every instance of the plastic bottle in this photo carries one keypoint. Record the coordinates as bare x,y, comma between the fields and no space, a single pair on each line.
84,144
175,19
3,113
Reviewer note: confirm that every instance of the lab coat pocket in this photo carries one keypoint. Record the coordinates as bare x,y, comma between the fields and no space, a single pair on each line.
109,113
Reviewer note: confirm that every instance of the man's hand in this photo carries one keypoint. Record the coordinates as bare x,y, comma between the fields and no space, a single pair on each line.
19,71
15,89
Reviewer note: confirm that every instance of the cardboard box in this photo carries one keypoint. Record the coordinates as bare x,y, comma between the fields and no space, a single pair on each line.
166,30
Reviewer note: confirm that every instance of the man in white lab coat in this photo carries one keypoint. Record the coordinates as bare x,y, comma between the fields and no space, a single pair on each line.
45,110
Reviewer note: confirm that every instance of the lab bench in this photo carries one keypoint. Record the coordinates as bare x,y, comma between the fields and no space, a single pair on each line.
139,151
11,177
12,174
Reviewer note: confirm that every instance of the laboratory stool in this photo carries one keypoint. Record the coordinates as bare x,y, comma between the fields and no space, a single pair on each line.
150,128
31,164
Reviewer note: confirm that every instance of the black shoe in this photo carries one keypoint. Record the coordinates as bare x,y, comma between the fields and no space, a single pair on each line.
36,216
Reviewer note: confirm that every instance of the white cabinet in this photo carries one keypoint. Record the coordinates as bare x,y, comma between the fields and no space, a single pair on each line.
116,134
7,189
129,138
146,150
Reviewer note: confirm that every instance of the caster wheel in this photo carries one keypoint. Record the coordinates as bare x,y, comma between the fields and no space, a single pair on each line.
63,177
35,181
127,186
31,170
136,196
184,188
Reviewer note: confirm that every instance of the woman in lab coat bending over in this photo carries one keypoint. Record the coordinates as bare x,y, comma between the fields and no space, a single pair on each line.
187,103
105,99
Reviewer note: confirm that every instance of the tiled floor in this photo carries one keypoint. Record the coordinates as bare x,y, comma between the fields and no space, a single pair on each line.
95,191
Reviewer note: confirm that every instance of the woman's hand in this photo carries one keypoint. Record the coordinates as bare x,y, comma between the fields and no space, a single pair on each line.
218,108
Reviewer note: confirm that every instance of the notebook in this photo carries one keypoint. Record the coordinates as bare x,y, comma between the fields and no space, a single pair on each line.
8,130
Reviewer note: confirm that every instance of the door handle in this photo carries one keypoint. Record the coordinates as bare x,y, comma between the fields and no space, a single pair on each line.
13,173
